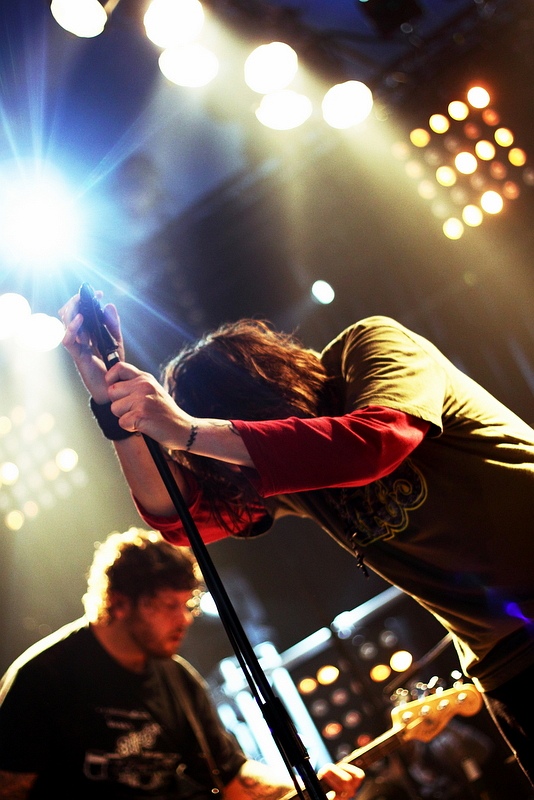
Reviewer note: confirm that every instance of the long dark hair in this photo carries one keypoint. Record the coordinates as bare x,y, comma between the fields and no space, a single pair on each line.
243,370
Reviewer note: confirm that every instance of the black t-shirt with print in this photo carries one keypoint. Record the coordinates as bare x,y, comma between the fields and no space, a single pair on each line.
90,728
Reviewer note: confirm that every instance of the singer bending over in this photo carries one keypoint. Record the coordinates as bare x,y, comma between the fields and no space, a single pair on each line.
410,465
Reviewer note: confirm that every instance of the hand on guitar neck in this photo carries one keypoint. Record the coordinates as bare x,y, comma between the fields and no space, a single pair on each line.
419,720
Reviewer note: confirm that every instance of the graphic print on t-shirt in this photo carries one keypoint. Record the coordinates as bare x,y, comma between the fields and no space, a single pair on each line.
136,761
381,509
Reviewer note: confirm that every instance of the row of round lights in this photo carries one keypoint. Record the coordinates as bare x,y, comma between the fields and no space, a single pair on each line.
176,25
471,157
337,700
34,465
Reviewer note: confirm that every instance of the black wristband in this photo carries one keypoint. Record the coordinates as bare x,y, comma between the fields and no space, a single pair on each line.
109,423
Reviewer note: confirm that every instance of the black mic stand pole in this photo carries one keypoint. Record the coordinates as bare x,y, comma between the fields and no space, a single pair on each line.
280,724
276,717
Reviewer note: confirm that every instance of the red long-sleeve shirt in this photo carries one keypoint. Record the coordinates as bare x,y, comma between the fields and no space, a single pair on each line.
293,455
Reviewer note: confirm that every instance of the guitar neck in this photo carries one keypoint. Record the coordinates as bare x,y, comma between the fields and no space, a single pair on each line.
380,747
363,757
420,719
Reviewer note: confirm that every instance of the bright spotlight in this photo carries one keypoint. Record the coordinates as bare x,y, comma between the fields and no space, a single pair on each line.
504,137
347,104
14,313
327,675
41,333
465,163
401,660
67,459
322,292
208,605
14,520
85,18
453,228
438,123
9,473
478,97
39,223
380,673
472,215
271,67
169,23
458,110
285,110
492,202
191,65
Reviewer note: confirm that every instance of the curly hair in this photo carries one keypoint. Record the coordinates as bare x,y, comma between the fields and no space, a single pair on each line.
243,370
137,563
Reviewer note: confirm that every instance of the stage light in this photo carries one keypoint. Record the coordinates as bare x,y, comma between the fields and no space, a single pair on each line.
169,23
270,67
208,605
37,332
327,674
453,228
470,162
332,730
191,65
458,110
39,218
504,137
419,137
34,478
41,333
284,110
465,163
67,459
478,97
485,150
446,176
438,123
322,292
307,685
491,202
380,673
84,18
333,718
14,520
15,310
347,104
472,215
174,25
517,157
9,473
401,660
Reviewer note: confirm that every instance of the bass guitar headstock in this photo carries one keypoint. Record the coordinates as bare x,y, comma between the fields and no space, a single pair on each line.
424,718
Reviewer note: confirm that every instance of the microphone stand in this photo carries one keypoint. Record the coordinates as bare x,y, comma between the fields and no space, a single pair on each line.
280,724
276,716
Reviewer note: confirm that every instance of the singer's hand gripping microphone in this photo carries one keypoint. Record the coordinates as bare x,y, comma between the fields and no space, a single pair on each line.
93,323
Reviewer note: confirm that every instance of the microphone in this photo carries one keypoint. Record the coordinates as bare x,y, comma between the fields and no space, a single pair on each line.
94,325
